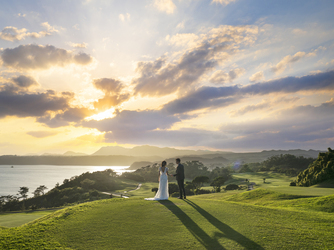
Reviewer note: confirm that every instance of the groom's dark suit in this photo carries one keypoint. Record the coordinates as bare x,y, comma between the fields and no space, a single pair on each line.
180,179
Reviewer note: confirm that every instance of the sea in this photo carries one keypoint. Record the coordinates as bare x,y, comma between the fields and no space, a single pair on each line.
12,177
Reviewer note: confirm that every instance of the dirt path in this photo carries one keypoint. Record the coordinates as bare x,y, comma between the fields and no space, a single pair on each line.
121,195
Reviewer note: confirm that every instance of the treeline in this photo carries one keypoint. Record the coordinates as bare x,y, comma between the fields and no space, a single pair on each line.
85,187
289,164
320,170
191,169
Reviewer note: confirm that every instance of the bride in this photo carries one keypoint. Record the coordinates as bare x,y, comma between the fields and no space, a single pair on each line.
162,193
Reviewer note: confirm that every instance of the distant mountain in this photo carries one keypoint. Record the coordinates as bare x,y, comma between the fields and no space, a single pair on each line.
71,153
147,150
206,156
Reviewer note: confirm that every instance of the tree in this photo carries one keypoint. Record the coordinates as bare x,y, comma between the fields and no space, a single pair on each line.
87,184
39,191
245,169
23,192
199,181
218,182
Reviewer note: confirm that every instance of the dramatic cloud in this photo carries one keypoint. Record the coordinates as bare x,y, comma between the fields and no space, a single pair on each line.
258,76
266,104
165,6
10,33
24,81
281,66
70,115
133,122
212,97
291,127
14,102
221,77
182,138
34,56
112,93
160,77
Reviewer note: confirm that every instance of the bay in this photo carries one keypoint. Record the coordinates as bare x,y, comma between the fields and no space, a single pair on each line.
32,176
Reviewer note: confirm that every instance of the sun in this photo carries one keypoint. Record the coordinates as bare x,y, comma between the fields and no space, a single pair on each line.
103,115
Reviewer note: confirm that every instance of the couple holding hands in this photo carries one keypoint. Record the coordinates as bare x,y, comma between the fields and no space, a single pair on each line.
162,193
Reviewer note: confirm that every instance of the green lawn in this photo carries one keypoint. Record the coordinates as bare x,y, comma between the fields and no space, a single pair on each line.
18,219
201,222
294,218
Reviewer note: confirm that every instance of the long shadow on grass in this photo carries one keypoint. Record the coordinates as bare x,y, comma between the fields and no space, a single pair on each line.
225,230
194,229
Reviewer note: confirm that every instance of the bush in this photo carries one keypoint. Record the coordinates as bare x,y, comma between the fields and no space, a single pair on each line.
232,187
94,193
203,191
293,183
175,194
173,188
320,170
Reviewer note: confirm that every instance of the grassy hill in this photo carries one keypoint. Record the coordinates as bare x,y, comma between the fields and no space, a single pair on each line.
215,221
273,216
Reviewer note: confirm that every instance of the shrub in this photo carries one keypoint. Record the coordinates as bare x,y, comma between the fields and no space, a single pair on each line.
175,194
232,187
292,183
203,191
173,188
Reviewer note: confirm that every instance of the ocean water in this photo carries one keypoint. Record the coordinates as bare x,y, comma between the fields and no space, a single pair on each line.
32,176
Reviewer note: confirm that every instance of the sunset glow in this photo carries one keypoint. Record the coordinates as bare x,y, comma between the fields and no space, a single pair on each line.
218,74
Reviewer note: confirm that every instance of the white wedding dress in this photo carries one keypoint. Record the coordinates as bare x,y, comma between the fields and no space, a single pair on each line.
162,193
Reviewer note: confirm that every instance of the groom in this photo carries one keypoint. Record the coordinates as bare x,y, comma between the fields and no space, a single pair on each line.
180,178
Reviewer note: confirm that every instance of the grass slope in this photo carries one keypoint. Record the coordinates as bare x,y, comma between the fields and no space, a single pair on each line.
202,222
18,219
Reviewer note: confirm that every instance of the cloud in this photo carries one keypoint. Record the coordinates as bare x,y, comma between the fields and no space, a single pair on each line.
32,56
221,77
24,81
281,66
215,97
10,33
133,122
265,104
182,138
258,76
292,128
125,17
71,115
42,134
14,102
113,95
205,97
299,127
185,39
223,2
162,77
165,6
79,45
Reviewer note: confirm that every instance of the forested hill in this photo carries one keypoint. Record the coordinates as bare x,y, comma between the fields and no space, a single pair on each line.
320,170
118,156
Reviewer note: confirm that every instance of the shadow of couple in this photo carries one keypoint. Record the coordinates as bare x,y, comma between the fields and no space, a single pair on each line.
206,240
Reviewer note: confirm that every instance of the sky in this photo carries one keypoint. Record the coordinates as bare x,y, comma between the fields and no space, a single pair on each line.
231,75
